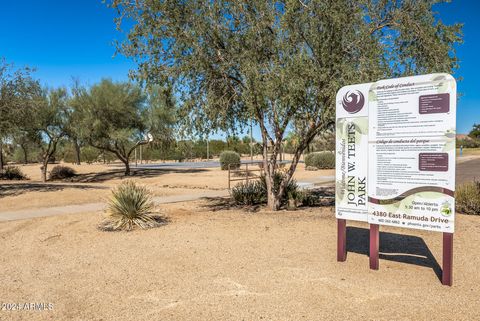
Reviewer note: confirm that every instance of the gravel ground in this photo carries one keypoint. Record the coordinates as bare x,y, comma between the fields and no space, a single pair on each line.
210,263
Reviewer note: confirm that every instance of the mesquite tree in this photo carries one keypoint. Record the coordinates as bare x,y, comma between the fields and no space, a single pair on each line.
119,117
279,62
17,94
48,123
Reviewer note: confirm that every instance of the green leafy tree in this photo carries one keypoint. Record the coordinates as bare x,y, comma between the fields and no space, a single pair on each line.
119,117
74,123
475,132
23,140
279,63
17,92
48,126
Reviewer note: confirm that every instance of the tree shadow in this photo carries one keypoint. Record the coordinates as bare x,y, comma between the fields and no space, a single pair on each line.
316,197
21,188
135,173
394,247
215,204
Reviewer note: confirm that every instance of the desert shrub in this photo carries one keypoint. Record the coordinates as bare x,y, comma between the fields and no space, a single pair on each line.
229,158
467,197
255,191
250,193
320,160
290,191
62,172
12,173
131,205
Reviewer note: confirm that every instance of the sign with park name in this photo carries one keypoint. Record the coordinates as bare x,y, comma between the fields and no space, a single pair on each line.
395,152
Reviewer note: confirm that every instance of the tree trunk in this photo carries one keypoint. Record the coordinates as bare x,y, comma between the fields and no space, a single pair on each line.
44,170
25,154
77,152
1,157
126,162
127,168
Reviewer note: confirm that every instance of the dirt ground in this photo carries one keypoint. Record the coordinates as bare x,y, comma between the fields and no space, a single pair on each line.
212,263
94,182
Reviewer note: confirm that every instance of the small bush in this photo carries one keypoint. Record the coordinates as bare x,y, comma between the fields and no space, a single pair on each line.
131,205
13,173
320,160
229,158
255,192
467,197
251,193
291,191
62,172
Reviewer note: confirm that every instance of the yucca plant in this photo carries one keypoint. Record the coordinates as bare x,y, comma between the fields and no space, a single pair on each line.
131,205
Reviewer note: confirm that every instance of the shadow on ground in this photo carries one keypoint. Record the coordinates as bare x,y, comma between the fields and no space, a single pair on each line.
226,203
135,173
394,247
21,188
109,225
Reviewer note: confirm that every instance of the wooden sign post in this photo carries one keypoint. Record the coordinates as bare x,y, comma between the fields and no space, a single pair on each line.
447,260
374,246
341,240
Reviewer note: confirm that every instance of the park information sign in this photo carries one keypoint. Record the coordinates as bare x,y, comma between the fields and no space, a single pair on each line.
395,151
352,152
412,152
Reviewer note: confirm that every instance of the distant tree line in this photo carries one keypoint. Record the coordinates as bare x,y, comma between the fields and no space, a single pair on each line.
472,140
107,119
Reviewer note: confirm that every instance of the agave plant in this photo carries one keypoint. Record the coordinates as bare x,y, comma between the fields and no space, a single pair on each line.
131,205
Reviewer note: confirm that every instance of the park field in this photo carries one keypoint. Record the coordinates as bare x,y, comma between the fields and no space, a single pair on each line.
94,183
212,262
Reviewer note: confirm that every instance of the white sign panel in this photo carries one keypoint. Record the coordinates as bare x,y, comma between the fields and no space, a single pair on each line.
352,152
396,139
412,152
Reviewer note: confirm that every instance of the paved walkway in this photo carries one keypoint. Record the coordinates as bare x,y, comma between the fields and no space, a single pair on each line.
468,170
95,207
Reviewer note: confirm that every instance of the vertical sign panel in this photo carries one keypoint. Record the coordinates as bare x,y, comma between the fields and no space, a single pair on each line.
411,149
352,152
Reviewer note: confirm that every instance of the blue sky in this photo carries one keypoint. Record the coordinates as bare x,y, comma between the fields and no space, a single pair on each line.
64,38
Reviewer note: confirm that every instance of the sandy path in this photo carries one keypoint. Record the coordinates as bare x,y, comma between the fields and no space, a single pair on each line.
231,265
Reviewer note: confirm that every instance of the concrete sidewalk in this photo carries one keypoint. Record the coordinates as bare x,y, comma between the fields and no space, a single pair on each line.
96,207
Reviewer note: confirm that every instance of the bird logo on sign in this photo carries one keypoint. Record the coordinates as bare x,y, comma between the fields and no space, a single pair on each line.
353,101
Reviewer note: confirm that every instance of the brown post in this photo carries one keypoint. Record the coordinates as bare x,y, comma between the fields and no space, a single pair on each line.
341,240
447,268
374,246
246,165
